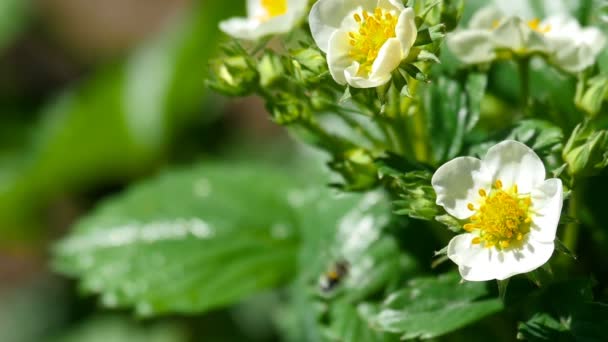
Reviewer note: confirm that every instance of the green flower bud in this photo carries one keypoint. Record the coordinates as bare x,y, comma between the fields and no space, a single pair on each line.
417,197
285,109
234,76
270,69
309,65
586,152
358,169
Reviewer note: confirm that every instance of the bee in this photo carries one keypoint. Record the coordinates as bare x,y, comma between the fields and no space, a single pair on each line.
333,276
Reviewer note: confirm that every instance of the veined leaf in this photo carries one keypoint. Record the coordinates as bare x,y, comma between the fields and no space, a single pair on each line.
198,239
375,265
431,307
187,241
452,109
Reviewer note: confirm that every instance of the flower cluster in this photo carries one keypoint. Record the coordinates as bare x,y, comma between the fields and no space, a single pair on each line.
492,33
373,64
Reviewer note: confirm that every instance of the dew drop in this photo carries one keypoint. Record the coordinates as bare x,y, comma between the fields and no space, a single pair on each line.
202,188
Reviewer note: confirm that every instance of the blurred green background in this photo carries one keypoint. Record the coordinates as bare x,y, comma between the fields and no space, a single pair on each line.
95,95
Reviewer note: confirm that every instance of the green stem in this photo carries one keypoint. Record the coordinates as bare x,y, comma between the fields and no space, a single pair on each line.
356,126
324,139
524,83
389,133
570,237
419,143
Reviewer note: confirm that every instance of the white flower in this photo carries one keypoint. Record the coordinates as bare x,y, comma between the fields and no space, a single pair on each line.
265,17
559,37
512,212
490,31
365,40
574,48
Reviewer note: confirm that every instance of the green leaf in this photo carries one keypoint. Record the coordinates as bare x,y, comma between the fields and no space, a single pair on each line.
115,125
545,138
543,327
593,97
13,15
542,136
583,322
452,110
354,234
573,317
121,329
431,307
188,241
350,324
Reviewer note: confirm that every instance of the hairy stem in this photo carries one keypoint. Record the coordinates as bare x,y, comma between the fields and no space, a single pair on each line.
570,237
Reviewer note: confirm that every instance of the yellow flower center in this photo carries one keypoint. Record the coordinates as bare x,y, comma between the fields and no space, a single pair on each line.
502,217
535,25
273,8
374,30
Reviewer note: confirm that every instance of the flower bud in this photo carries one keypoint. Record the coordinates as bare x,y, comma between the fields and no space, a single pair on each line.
234,75
586,152
417,197
309,65
358,169
270,69
286,109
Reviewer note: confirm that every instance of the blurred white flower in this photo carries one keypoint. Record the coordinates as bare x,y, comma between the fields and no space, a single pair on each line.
573,48
560,37
490,31
512,211
365,40
265,17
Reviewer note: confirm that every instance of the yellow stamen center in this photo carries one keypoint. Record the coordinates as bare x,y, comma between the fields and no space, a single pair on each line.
535,25
273,8
502,217
374,30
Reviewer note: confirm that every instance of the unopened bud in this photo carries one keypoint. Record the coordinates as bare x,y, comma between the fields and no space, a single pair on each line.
233,76
270,69
358,169
586,152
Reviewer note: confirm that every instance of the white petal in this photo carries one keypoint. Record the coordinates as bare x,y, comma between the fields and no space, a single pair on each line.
338,58
395,5
472,46
547,201
462,251
254,8
574,48
457,184
529,257
241,28
355,81
388,59
571,60
486,18
511,34
326,16
594,38
406,30
477,263
252,28
512,162
562,26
